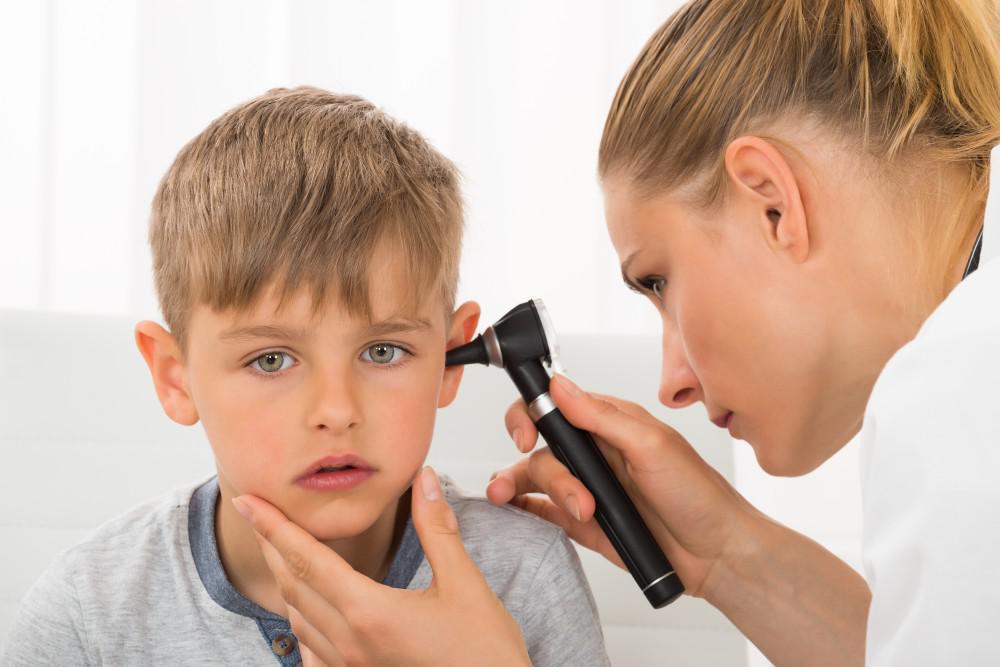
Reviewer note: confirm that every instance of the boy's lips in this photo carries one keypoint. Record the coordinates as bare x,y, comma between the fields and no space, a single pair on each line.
336,473
336,463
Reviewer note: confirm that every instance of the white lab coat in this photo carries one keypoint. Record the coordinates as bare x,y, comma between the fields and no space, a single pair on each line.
930,457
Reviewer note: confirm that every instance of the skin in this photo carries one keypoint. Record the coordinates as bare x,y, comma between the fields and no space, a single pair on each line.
781,305
325,394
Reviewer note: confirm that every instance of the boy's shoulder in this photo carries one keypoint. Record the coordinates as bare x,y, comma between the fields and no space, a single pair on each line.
478,519
117,578
136,535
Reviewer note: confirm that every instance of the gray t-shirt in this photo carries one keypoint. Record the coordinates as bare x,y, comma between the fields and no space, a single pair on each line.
148,588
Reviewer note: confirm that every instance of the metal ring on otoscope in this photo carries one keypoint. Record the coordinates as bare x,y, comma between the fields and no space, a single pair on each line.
540,407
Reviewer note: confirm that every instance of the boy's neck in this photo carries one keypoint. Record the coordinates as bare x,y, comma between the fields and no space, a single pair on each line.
369,553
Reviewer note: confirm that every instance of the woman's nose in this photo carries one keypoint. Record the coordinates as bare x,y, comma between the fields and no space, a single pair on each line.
679,386
333,405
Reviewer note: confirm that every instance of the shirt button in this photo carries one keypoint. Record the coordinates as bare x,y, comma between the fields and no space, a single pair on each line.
282,645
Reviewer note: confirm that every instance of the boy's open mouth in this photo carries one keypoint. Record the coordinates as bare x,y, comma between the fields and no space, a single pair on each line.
338,463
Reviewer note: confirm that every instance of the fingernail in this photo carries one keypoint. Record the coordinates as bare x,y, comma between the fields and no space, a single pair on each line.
568,385
243,508
574,507
493,477
429,482
516,435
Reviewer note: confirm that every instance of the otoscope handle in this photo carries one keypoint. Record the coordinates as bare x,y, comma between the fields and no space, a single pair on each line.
615,513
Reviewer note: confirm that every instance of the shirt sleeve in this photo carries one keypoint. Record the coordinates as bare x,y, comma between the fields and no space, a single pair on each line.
931,482
48,628
559,617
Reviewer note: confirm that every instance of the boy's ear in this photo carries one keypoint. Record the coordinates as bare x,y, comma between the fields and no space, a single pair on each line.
463,325
162,354
760,174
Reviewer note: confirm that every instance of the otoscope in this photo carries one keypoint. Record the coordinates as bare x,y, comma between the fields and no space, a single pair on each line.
523,343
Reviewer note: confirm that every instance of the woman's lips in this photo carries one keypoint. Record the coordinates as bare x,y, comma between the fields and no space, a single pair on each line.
336,473
724,420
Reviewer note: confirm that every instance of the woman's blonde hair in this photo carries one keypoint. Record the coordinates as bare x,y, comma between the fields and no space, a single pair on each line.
902,77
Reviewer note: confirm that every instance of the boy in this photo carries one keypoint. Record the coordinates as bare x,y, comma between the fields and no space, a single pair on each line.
305,249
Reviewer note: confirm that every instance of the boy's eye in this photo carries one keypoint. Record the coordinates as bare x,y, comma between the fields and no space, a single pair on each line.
272,362
383,354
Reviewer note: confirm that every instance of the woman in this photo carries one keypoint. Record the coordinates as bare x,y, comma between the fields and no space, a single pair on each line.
798,187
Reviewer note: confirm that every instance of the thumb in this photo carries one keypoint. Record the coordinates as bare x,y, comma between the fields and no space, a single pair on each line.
437,529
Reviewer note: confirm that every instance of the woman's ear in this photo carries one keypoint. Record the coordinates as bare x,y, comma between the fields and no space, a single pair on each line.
162,355
759,173
460,331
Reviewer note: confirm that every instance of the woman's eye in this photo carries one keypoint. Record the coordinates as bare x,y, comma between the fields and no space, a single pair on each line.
272,362
654,284
384,354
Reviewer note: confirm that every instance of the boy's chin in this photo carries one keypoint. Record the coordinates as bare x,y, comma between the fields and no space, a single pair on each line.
330,525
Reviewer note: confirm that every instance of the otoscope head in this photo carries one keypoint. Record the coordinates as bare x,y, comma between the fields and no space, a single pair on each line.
524,333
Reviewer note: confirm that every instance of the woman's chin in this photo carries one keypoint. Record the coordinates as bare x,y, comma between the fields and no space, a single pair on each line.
784,457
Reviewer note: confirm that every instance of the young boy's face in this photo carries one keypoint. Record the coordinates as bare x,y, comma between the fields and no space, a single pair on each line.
282,392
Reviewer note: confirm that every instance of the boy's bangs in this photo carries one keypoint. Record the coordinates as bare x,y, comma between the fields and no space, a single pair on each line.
416,268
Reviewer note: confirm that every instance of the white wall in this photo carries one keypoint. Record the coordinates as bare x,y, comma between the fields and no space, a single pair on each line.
100,95
104,93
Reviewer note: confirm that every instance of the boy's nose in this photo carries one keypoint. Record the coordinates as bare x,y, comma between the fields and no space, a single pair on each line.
679,386
333,404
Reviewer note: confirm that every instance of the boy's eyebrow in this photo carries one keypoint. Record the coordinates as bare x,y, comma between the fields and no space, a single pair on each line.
272,331
396,326
262,331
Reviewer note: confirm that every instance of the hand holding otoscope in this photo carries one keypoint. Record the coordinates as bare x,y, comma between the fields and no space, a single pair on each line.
523,343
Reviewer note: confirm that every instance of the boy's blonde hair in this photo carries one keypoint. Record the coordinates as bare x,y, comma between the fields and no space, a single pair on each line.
300,186
904,78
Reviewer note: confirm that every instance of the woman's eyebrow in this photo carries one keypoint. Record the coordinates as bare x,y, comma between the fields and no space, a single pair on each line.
625,265
262,331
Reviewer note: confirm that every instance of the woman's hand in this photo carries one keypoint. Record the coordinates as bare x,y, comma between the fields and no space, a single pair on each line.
692,511
342,617
796,601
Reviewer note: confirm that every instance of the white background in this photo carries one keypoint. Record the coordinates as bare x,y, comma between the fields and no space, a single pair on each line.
98,96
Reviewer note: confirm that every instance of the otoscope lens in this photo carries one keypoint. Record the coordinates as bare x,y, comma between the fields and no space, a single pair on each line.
549,332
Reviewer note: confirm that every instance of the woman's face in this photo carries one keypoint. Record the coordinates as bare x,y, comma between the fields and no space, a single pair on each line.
778,335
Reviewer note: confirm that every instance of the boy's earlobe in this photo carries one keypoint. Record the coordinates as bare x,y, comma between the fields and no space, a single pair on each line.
462,328
162,355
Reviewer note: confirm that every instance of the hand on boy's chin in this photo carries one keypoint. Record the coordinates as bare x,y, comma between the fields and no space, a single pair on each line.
336,611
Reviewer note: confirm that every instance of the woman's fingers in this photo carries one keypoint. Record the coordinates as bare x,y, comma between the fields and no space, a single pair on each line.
437,529
313,614
318,566
542,473
620,424
314,648
310,659
520,427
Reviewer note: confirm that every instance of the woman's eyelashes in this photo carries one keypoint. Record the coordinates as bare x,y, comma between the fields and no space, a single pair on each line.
653,284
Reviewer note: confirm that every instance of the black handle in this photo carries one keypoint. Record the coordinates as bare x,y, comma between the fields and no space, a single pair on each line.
615,512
